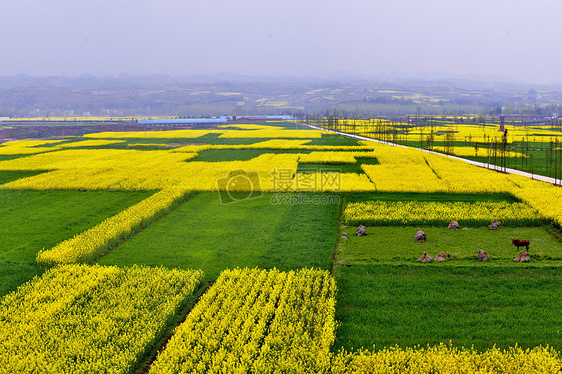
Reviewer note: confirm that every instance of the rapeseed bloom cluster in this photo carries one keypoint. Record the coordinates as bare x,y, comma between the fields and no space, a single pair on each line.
259,321
449,360
89,319
413,213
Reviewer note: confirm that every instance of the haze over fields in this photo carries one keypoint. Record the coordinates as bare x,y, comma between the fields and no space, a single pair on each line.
515,41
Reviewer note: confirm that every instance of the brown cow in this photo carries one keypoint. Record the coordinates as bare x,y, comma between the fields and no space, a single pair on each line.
520,243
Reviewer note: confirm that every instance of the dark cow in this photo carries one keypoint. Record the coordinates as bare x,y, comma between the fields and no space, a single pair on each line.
520,243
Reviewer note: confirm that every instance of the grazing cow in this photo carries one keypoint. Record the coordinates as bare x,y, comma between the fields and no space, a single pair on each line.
520,243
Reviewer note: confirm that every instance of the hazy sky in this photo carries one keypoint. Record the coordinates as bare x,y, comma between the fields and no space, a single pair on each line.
520,39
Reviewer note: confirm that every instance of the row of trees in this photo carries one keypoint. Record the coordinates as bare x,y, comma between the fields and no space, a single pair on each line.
526,154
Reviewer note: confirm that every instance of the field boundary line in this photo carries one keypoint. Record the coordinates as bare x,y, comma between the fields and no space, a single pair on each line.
339,237
181,316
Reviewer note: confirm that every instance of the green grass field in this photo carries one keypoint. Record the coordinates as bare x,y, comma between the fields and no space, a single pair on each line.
387,298
205,234
333,139
337,168
218,155
33,220
393,245
467,306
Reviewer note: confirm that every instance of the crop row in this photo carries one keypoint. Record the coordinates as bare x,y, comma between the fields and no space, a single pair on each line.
92,243
81,319
411,213
446,359
257,321
26,147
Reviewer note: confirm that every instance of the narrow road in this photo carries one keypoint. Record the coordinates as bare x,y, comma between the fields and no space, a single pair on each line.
481,164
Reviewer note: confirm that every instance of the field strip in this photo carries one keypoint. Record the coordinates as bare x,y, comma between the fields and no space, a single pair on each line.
476,163
259,321
191,196
92,243
90,319
180,318
401,213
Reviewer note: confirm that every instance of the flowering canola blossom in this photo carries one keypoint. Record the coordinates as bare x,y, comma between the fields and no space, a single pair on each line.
286,144
28,147
95,169
142,145
256,321
413,213
6,151
89,319
24,143
445,359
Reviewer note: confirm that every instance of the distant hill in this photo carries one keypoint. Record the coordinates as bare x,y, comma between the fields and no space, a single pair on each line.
221,94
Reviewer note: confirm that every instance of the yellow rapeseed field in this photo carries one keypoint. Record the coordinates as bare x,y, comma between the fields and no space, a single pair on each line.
89,319
250,320
256,321
412,213
449,360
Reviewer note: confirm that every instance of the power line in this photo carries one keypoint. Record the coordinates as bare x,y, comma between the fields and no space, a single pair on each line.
184,90
378,88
